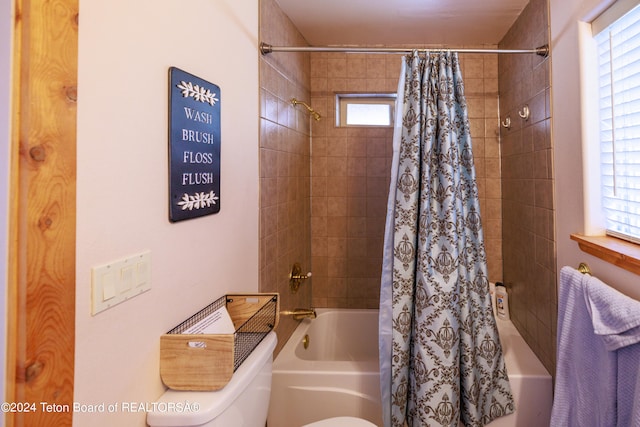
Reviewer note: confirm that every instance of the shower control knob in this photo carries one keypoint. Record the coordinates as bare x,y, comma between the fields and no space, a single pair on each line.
296,277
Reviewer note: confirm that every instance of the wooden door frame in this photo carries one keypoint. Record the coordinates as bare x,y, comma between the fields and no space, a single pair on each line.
42,213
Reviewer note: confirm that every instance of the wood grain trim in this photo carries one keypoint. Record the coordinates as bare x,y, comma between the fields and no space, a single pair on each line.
43,211
612,250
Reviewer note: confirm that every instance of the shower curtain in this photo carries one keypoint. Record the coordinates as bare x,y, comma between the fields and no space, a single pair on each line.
440,355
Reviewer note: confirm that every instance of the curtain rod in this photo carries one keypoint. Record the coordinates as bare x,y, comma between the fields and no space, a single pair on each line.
266,48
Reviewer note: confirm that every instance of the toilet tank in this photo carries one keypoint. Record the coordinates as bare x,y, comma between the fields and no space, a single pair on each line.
243,402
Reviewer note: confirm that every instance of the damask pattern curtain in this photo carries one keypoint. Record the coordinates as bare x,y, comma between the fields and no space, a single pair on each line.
441,359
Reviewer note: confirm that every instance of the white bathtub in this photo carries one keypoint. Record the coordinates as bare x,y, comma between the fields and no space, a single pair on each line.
338,375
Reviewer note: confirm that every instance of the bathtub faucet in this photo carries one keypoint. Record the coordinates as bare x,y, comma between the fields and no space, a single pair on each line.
302,313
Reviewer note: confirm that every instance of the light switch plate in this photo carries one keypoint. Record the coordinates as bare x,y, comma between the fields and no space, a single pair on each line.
120,280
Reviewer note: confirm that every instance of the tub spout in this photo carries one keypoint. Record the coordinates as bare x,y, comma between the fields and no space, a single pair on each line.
302,313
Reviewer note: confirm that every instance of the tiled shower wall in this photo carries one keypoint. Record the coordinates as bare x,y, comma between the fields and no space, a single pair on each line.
351,167
285,224
324,189
527,184
349,182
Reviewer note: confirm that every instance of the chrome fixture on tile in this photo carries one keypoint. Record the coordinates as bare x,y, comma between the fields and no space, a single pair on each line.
507,123
524,113
296,277
266,48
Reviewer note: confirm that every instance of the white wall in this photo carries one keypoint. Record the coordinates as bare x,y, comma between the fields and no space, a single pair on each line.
125,50
569,113
6,40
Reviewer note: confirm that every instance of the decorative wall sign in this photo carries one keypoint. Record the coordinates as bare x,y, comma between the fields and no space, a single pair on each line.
194,146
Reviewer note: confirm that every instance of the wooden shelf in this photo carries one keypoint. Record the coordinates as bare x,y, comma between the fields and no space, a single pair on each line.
612,250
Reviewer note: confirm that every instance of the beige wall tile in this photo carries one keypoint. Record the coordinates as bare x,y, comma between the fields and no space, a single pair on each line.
286,209
368,158
528,236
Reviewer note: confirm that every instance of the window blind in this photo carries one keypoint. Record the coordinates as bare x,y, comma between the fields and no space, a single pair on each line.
619,81
612,14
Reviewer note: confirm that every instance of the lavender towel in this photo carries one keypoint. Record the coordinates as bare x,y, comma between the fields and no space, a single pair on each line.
598,363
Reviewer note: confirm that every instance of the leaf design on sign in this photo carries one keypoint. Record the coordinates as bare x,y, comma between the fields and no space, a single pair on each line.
198,200
198,93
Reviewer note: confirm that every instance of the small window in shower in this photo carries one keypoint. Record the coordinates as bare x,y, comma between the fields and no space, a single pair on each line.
365,109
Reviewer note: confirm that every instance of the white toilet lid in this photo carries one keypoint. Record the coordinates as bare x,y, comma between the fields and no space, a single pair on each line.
342,422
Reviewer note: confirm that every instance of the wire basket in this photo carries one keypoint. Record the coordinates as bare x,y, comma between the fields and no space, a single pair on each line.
208,361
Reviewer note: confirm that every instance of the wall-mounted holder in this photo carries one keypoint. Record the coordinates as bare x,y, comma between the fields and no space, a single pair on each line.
506,123
296,277
524,113
584,268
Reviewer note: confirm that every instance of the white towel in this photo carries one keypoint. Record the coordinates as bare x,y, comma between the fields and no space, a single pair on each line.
598,363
